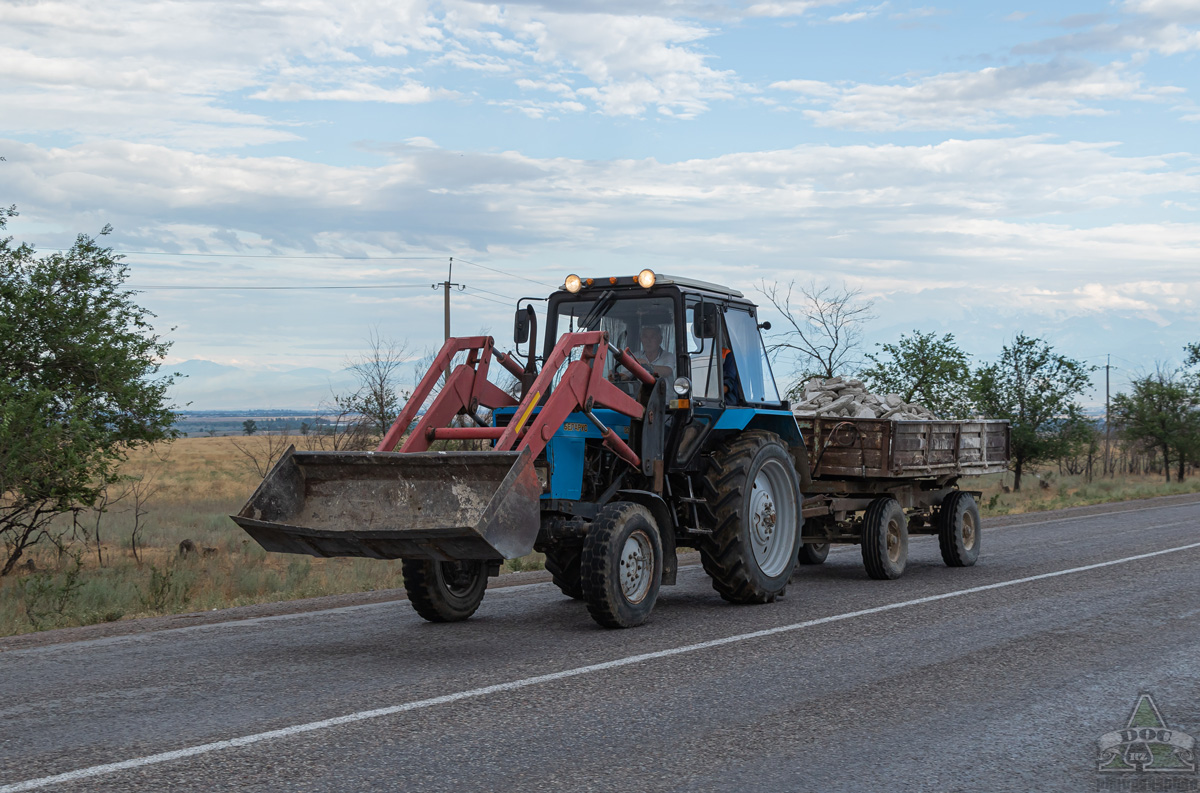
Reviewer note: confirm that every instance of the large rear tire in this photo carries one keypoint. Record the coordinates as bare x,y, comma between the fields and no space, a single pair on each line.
958,530
562,562
885,539
621,565
753,494
444,591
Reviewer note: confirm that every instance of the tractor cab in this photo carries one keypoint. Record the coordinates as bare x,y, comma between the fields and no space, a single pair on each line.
702,339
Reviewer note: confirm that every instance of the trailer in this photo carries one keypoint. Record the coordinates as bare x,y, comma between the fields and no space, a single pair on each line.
648,420
873,482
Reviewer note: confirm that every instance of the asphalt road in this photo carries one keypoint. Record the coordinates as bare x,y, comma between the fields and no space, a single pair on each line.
999,677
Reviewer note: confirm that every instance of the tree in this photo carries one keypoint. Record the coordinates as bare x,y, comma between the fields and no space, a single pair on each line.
824,326
377,397
1078,437
79,361
1162,410
249,427
1035,389
1193,353
925,369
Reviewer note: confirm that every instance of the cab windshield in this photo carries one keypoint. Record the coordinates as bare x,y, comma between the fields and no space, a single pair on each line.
646,325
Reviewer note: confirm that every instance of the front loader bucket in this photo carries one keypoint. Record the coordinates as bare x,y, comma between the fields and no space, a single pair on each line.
447,506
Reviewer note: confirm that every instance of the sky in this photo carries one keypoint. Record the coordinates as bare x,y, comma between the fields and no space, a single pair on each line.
981,169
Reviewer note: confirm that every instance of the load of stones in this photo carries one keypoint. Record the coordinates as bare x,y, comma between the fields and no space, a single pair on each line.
838,397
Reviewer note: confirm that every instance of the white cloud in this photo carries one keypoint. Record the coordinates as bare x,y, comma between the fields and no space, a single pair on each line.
633,63
1152,26
1180,11
406,94
1026,225
164,71
973,199
788,8
980,100
919,13
858,16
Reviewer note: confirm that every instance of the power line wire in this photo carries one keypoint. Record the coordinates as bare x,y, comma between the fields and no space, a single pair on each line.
278,256
491,300
236,288
503,272
490,292
272,256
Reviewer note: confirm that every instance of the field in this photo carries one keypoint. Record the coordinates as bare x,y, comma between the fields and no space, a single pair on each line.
190,488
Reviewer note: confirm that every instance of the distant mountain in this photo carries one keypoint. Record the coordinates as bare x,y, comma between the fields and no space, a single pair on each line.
213,386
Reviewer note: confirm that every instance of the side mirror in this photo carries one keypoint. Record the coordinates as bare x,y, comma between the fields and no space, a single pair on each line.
521,324
765,325
707,323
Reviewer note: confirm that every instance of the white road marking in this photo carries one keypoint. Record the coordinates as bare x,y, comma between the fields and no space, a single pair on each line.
364,715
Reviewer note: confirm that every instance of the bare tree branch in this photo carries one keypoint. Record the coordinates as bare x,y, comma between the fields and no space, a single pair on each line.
823,332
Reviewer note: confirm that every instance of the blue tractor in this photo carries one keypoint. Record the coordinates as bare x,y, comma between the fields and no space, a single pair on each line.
650,421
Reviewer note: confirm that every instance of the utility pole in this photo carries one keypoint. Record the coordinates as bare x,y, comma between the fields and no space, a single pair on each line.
446,287
1107,412
446,291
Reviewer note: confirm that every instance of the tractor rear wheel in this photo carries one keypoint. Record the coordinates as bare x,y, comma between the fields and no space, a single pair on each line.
621,565
562,562
444,591
753,495
885,539
814,552
958,530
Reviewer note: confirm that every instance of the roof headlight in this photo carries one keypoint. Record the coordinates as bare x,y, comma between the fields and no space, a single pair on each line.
645,279
573,283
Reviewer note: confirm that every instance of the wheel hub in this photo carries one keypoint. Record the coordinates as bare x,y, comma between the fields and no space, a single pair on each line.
968,531
459,577
636,566
893,541
773,519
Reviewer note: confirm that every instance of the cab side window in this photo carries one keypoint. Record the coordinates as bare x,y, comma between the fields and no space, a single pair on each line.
753,368
704,350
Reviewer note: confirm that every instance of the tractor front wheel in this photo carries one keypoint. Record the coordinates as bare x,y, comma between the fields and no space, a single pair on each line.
444,591
621,565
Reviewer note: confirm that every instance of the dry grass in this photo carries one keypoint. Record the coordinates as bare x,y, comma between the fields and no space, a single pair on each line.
1052,491
201,481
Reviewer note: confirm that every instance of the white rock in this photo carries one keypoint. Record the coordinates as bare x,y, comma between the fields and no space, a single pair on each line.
840,397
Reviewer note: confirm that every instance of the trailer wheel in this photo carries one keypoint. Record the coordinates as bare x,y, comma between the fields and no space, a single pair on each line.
753,494
814,552
562,562
444,591
884,539
621,565
958,530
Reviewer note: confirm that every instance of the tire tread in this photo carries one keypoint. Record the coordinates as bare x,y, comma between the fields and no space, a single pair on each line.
722,553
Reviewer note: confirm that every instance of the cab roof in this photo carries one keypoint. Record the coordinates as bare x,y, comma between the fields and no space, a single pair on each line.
661,279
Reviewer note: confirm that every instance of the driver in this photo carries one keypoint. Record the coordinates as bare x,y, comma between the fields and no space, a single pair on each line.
653,356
